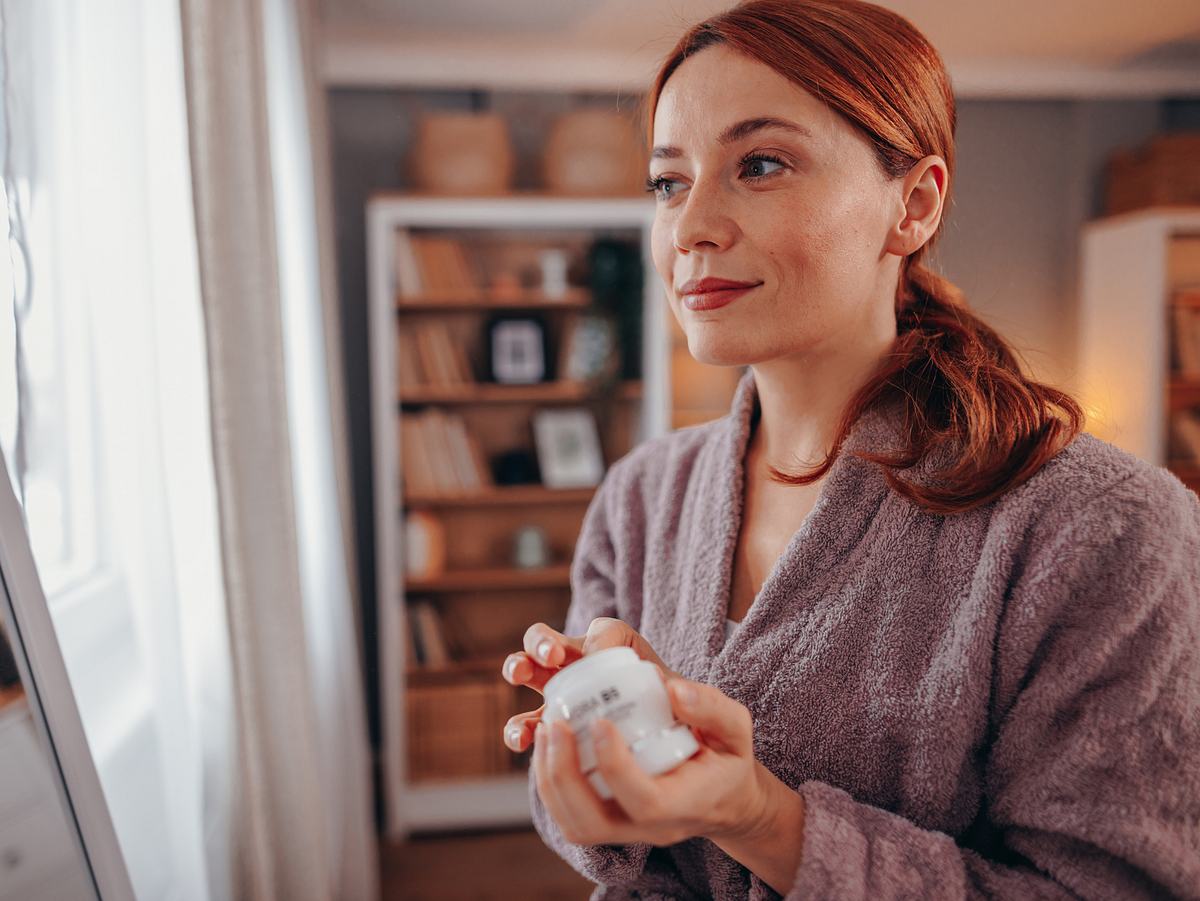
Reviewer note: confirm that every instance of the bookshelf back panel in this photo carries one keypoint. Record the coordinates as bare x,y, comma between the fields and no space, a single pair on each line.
479,625
484,537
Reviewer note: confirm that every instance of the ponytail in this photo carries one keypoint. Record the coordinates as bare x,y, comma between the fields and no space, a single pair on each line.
963,396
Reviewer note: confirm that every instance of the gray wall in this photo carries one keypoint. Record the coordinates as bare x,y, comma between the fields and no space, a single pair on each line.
1028,176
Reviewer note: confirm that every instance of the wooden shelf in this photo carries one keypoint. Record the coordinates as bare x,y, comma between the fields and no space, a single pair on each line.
576,299
504,496
491,393
504,578
1186,297
488,665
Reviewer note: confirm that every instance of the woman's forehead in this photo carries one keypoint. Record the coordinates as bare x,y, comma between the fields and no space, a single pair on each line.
713,91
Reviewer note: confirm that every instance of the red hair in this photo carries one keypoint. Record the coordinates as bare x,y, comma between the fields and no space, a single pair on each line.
958,382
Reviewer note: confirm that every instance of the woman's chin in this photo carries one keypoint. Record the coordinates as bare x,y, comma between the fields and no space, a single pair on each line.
718,353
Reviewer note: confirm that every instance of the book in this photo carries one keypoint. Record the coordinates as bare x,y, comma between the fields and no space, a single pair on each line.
414,637
464,464
408,364
414,655
440,453
432,363
429,629
415,466
1186,426
452,363
408,272
1186,339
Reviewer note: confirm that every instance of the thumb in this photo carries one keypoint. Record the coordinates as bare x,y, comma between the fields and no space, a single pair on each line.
720,720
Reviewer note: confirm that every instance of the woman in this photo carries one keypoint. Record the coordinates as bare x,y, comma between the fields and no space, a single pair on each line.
936,641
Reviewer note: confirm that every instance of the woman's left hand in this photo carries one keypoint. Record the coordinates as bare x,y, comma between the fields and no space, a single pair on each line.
722,792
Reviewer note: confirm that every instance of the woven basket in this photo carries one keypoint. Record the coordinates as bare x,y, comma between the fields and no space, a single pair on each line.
1166,172
590,152
462,154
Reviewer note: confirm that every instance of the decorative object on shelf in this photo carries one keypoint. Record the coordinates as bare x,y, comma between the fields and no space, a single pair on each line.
531,548
568,447
615,277
554,262
1164,172
424,544
462,153
592,151
516,350
589,349
515,467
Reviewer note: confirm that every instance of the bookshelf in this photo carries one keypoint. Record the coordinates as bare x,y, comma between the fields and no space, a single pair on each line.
1139,335
439,271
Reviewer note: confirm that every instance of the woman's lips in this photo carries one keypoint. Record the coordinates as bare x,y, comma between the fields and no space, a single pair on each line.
711,300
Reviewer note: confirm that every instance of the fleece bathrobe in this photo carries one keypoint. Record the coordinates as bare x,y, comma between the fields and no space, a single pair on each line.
1002,703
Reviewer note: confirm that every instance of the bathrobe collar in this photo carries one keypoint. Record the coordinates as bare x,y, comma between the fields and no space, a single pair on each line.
838,527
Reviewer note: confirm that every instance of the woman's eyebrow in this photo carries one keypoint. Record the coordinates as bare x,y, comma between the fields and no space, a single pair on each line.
736,132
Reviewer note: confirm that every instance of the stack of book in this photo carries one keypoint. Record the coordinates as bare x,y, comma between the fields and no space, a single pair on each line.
439,456
427,355
434,268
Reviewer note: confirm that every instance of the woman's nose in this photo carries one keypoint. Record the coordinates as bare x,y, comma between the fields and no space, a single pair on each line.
703,222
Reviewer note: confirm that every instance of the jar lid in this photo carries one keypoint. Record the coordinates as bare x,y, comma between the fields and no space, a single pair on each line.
588,665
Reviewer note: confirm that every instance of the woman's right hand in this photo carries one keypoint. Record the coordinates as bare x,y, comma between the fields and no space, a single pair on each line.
547,651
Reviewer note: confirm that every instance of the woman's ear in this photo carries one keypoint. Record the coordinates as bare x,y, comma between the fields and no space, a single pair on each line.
922,193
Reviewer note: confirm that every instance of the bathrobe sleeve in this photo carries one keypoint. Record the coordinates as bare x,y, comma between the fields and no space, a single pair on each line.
1092,772
593,594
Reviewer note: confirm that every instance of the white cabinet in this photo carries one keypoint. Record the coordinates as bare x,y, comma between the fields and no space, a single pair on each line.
1127,287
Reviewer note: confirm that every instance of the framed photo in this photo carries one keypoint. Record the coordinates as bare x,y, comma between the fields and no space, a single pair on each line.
517,350
568,448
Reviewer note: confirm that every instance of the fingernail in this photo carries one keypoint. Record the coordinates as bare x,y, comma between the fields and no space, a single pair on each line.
514,737
543,650
685,693
539,735
510,667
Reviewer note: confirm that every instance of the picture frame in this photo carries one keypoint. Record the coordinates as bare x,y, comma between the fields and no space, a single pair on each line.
516,350
568,447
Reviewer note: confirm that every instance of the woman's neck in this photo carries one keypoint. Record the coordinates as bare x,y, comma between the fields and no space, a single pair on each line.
801,401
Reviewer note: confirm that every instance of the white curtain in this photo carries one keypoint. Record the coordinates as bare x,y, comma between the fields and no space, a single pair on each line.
173,410
265,237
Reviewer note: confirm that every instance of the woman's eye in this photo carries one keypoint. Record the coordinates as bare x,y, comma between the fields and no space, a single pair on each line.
759,166
660,186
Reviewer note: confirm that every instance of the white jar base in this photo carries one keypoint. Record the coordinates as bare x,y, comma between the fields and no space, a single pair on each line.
655,754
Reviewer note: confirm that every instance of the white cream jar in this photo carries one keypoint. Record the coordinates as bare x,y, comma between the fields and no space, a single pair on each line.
619,686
